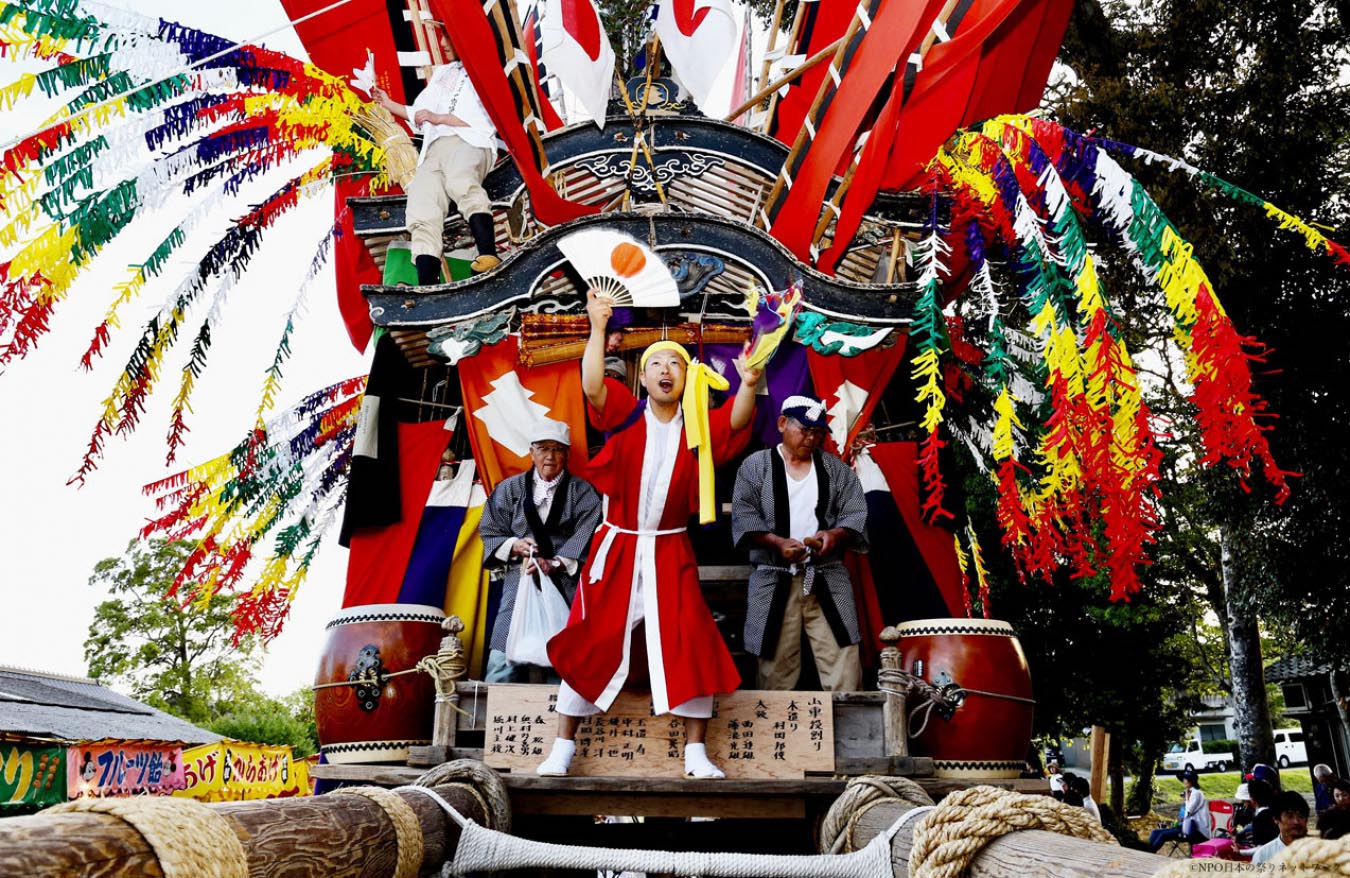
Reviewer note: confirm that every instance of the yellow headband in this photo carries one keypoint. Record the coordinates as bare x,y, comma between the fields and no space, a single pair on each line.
659,346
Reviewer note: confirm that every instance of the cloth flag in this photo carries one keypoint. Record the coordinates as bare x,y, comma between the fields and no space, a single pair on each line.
534,49
467,590
850,388
373,487
504,400
741,83
699,37
352,263
428,573
577,50
379,556
787,374
902,541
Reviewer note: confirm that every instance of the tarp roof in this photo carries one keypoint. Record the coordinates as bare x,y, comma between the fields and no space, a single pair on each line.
35,704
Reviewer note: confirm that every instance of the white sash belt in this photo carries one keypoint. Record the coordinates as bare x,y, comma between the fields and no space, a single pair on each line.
602,554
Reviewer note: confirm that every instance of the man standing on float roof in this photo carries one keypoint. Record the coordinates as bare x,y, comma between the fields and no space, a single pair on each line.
640,587
459,147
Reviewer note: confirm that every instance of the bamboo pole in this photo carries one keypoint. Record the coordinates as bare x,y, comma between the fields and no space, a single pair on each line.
332,836
773,38
794,40
823,55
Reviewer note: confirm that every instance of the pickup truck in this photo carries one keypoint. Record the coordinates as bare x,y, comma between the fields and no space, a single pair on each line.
1190,755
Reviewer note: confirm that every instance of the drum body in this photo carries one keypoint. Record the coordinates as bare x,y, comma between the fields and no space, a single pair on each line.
377,717
989,733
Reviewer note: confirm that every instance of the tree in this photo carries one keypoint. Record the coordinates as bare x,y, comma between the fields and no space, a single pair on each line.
289,720
178,661
1255,93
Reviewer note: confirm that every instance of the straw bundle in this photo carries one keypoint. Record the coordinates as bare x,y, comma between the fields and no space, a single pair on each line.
400,155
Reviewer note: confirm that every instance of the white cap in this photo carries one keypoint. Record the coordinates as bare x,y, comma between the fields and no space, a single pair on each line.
549,430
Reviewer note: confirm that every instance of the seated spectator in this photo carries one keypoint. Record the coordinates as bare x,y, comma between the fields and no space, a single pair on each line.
1323,780
1072,796
1334,822
1081,789
1293,824
1263,826
1056,779
1195,824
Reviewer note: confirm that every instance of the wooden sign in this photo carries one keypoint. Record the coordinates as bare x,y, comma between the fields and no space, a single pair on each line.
752,734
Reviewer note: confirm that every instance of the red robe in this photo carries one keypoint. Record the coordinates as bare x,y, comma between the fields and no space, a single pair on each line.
687,657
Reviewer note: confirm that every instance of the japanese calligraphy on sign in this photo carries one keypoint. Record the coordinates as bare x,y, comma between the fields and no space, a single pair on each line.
231,771
752,734
121,769
31,775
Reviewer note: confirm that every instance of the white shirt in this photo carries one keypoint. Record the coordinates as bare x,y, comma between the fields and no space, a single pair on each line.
1268,851
802,497
1090,806
1197,813
543,501
449,91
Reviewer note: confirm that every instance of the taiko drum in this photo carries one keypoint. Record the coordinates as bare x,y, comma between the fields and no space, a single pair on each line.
373,716
979,662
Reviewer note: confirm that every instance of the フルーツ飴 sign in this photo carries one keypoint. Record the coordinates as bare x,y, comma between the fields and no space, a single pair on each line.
752,734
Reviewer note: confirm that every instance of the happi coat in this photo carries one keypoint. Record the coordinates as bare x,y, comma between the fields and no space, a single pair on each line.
760,505
686,655
565,533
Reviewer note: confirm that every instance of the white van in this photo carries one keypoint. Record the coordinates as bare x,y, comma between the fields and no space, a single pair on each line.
1289,748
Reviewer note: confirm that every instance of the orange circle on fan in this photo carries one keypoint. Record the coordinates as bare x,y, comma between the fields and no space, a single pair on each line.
626,259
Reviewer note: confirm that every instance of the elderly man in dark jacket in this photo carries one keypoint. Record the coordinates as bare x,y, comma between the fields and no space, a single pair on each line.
797,508
539,521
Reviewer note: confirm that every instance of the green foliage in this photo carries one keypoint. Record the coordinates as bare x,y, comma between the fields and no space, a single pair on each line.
1255,93
180,662
266,720
1219,745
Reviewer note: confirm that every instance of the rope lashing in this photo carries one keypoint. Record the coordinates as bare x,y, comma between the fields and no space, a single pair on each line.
485,783
188,839
407,828
445,667
860,796
949,837
945,699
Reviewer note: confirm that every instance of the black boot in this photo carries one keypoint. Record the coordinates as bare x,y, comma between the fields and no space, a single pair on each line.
485,238
428,271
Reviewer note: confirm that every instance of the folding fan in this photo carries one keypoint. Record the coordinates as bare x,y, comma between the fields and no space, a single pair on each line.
620,267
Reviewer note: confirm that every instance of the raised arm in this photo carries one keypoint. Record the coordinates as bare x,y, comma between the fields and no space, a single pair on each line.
743,407
593,360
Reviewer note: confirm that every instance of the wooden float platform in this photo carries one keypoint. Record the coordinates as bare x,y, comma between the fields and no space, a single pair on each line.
667,796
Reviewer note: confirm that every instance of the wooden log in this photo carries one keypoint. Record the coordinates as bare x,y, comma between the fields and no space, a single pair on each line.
332,836
1028,852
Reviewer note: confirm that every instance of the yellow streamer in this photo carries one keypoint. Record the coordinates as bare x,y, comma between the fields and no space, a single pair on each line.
698,433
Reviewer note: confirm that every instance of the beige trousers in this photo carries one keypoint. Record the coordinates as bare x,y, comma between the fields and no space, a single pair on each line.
452,171
839,668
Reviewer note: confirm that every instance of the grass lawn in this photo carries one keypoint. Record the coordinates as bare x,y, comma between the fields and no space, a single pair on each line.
1222,785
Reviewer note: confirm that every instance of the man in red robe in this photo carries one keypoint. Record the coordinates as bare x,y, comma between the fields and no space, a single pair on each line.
641,581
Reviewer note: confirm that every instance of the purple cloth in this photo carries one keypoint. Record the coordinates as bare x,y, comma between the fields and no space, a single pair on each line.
787,374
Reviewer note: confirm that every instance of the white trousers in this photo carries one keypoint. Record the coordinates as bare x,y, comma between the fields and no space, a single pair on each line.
452,170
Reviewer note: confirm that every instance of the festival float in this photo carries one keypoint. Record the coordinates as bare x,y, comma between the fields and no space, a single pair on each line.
880,222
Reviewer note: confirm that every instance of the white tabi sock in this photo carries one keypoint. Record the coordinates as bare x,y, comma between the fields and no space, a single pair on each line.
559,759
697,764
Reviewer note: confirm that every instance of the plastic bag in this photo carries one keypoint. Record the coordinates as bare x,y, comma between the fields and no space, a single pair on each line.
540,612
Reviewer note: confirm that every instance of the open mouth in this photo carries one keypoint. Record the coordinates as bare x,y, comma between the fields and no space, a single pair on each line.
666,385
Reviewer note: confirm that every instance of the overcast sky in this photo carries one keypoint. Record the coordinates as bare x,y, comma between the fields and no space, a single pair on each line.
51,535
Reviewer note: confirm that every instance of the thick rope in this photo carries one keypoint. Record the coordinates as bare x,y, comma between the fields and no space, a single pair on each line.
485,850
860,796
486,784
952,834
407,828
1306,858
189,839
